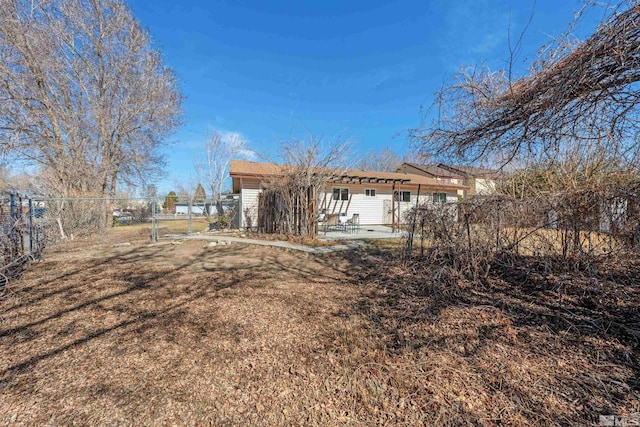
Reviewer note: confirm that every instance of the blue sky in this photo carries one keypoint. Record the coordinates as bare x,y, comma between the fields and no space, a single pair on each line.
269,70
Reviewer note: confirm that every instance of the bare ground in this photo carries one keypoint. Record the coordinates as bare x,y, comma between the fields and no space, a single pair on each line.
160,334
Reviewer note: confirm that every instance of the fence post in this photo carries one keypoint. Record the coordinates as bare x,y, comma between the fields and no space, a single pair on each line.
154,230
413,225
13,244
30,226
190,219
21,222
393,207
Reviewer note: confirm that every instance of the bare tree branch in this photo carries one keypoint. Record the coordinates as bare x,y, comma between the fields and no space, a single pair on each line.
214,168
578,95
84,95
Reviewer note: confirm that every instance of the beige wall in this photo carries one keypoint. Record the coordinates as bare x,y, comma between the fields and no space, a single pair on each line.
485,186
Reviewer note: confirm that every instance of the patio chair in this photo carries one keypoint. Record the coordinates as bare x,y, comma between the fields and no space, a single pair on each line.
322,221
354,223
343,221
332,221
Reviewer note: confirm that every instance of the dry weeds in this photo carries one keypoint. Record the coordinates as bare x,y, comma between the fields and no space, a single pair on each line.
160,334
524,347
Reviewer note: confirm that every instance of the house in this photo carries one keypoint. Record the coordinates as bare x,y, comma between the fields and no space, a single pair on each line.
480,181
432,171
377,197
197,208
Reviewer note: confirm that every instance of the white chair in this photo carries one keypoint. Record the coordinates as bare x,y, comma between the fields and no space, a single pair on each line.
343,220
354,223
322,221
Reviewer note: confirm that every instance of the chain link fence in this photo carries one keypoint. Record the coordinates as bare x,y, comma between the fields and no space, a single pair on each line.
563,230
28,223
22,234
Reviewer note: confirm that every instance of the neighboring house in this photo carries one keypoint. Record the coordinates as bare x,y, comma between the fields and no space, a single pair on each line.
432,171
370,194
479,181
182,208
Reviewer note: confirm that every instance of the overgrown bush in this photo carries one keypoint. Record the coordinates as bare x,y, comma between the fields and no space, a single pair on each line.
576,229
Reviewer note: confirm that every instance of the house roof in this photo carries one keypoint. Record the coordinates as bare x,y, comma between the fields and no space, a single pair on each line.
244,168
434,170
472,171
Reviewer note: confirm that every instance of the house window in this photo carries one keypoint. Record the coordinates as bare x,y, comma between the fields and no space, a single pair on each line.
370,192
439,197
340,194
402,196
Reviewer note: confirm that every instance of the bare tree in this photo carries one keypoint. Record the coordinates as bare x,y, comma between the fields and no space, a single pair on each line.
289,203
383,161
214,169
316,156
4,177
566,135
83,95
579,101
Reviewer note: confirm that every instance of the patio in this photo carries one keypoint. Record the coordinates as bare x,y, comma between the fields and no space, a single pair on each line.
361,232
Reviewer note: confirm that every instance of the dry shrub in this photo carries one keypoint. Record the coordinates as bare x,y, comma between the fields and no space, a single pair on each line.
69,218
522,347
567,229
288,203
287,207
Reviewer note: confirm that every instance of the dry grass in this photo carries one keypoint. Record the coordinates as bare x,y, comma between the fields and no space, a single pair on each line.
166,226
301,240
160,334
521,348
535,241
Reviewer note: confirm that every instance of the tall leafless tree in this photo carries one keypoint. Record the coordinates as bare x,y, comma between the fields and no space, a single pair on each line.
289,202
579,102
219,150
83,94
383,161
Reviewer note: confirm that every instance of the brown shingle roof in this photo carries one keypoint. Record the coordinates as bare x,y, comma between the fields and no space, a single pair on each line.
248,168
244,168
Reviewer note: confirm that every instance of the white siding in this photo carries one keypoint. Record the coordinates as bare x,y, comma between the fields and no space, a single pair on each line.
250,189
426,196
372,209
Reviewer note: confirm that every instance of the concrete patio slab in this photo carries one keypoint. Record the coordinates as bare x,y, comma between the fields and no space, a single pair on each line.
364,232
275,243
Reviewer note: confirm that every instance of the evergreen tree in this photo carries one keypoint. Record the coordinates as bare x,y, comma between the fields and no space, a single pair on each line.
170,201
200,196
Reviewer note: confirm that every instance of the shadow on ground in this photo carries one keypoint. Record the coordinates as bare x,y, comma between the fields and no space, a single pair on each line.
521,347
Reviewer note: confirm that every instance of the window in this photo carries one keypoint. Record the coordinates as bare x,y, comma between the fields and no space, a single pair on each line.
340,194
402,196
439,197
370,192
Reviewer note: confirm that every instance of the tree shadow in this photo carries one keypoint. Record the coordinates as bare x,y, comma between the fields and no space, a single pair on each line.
423,309
55,314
